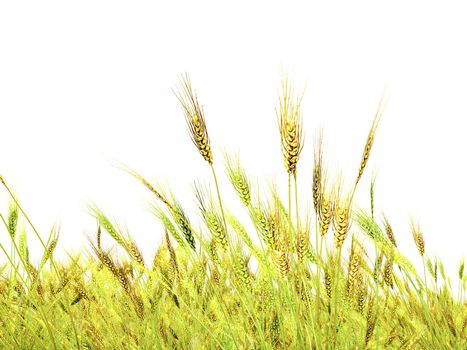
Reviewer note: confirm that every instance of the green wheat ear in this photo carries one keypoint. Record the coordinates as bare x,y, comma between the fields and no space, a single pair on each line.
12,220
238,178
105,222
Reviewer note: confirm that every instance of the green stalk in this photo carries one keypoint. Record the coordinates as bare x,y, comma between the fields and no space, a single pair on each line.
318,267
336,275
45,248
289,198
40,308
219,196
424,276
377,289
296,201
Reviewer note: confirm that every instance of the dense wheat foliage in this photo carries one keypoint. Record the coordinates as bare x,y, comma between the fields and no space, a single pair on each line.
330,278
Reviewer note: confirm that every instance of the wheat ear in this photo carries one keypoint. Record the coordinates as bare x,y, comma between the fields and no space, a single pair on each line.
369,140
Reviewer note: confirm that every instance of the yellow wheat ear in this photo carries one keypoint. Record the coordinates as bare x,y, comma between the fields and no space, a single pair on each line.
290,126
194,117
418,237
370,138
318,172
341,214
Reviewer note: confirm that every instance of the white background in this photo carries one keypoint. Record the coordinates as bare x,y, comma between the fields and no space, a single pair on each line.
84,82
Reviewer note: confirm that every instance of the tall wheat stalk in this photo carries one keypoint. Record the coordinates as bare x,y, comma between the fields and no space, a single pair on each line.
290,122
197,128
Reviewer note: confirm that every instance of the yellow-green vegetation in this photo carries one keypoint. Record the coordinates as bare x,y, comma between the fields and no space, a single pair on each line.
331,278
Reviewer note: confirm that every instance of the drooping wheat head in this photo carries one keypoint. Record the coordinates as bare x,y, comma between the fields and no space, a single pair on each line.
194,117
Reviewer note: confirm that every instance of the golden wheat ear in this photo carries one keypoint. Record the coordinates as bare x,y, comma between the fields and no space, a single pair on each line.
418,237
318,172
290,126
370,139
341,214
194,117
389,231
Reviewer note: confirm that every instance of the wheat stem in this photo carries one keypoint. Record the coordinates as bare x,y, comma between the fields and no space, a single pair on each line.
219,196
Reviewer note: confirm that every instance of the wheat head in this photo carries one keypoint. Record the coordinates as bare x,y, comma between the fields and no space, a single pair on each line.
194,117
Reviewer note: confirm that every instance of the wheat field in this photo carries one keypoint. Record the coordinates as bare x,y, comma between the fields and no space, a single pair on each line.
332,277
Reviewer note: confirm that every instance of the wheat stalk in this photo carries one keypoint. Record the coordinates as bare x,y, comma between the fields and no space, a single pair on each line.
289,116
197,127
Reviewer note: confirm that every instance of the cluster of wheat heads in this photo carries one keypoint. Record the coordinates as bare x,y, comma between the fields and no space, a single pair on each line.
228,284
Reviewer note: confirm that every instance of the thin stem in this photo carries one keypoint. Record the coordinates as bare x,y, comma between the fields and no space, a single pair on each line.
318,267
290,202
336,276
296,201
45,248
39,306
424,276
377,285
219,196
